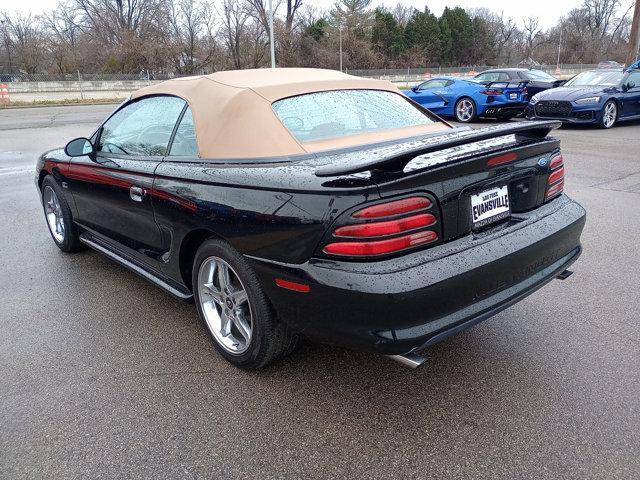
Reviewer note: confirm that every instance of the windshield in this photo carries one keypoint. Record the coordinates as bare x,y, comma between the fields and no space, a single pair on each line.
337,113
595,78
538,75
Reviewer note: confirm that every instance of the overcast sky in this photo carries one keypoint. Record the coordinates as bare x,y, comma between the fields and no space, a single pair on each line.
549,11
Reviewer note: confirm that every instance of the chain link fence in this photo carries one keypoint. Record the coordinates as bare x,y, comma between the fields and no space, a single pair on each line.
81,86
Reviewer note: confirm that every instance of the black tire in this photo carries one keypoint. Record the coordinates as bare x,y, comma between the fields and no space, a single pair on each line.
472,106
270,338
70,241
604,122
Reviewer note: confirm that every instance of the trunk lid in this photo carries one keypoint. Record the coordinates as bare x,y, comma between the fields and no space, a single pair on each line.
460,165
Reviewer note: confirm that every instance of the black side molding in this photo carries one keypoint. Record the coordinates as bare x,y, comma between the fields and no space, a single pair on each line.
397,155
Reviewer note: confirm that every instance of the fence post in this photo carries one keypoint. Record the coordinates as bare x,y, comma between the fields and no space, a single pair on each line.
80,85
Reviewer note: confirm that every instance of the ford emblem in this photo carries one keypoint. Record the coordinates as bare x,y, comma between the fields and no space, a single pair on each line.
543,162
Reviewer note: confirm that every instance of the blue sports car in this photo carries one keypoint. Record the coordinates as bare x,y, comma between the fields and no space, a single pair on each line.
600,97
467,99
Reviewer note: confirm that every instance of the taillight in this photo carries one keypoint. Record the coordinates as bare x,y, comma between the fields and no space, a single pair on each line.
380,229
393,208
491,92
500,159
555,182
385,228
380,247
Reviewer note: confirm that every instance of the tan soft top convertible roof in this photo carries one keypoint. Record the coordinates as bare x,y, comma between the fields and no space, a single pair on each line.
233,116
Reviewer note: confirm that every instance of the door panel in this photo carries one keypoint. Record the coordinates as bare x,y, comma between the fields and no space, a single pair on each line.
631,98
430,94
102,190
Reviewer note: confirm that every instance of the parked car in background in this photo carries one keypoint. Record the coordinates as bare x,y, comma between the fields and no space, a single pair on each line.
610,64
600,97
291,202
466,99
538,79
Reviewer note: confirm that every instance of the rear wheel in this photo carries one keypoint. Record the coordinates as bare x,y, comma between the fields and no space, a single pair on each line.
609,114
465,110
58,216
235,310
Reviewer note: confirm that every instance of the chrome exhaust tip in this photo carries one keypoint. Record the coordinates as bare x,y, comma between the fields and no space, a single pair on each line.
411,360
564,275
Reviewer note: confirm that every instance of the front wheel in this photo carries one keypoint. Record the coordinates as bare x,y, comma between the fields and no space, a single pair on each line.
235,310
609,114
58,216
465,110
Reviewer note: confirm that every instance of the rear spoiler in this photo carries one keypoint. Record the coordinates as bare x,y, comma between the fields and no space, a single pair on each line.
520,84
399,154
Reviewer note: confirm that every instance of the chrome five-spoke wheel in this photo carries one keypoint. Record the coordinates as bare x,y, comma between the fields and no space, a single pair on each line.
609,115
225,305
53,212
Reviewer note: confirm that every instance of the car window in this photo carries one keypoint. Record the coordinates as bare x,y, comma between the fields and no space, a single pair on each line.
635,78
184,143
436,83
592,78
143,127
538,75
492,77
337,113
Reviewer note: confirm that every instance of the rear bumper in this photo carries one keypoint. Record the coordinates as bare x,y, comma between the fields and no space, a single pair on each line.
503,111
396,306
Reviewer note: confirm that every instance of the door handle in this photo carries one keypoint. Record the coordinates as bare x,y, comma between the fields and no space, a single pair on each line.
136,193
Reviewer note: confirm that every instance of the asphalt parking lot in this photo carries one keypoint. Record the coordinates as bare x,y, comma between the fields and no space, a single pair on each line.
103,375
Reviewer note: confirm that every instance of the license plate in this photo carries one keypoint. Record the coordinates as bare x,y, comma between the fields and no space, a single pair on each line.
490,206
513,96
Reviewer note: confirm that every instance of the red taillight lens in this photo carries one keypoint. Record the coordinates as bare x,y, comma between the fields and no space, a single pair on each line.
556,175
555,182
500,159
385,228
555,189
379,229
381,247
556,162
491,92
397,207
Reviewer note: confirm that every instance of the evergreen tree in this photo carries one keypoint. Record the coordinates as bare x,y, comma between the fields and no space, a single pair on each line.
422,34
387,36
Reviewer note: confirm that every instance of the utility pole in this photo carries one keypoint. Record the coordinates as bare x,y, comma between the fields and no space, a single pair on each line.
559,44
340,36
271,41
634,37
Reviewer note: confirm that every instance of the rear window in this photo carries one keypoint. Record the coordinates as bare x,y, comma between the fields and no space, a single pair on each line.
337,113
538,75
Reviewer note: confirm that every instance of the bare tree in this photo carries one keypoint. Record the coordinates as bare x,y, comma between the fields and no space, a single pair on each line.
531,34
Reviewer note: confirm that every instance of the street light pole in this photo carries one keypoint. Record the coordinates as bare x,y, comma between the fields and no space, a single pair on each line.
559,44
271,41
340,37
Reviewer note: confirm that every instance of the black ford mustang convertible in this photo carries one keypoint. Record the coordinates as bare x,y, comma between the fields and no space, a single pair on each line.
299,202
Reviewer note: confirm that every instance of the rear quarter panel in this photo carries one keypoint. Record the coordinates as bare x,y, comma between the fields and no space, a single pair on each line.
276,211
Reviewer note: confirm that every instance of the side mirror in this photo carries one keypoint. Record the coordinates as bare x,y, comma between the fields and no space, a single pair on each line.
414,89
631,85
79,147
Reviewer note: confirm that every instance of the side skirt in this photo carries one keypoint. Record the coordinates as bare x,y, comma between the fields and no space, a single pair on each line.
102,247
